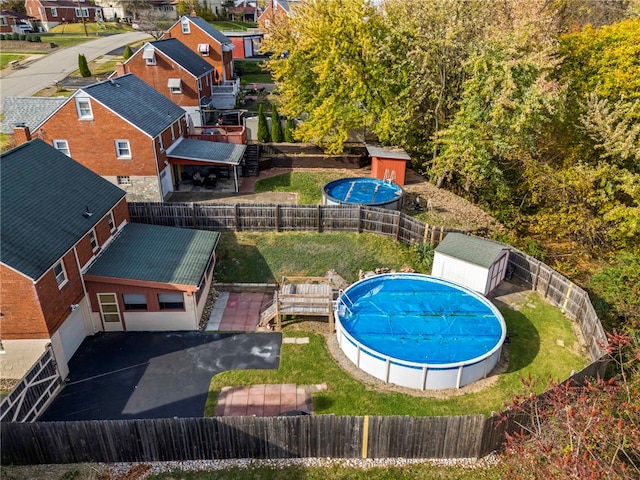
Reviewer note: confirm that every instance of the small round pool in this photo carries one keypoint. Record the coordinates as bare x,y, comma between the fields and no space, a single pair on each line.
363,191
419,331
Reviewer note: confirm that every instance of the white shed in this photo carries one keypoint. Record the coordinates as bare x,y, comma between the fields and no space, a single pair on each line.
471,261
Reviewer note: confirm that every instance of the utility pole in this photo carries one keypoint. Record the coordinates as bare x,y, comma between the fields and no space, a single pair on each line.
84,25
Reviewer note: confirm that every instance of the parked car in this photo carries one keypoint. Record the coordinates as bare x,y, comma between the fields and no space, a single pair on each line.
235,117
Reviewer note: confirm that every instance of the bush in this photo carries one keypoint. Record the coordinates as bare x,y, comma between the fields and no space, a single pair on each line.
288,131
22,37
127,52
276,126
1,36
424,255
83,66
37,39
15,36
263,127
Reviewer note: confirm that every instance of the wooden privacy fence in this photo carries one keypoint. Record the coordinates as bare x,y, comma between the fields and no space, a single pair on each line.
175,439
289,218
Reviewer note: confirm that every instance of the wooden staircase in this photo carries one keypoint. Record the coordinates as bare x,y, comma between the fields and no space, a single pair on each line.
251,166
305,296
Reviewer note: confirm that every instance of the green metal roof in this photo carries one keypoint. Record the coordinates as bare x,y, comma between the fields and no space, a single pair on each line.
474,250
43,196
154,253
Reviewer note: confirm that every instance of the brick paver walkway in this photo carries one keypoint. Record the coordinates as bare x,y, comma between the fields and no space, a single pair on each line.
266,400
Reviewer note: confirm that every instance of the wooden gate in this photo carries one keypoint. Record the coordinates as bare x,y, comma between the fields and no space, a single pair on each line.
35,390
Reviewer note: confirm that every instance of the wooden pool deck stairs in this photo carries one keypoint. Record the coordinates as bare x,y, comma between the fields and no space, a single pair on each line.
304,296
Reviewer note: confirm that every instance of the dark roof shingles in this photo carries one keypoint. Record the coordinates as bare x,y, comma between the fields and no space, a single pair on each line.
183,56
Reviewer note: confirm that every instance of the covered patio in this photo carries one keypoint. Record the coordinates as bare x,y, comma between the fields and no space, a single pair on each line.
202,163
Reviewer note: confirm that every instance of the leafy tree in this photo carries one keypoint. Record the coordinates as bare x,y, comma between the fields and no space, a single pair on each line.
127,52
276,127
288,130
263,127
15,6
83,66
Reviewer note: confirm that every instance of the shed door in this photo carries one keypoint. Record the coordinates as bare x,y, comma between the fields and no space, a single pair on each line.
165,181
497,272
248,48
72,333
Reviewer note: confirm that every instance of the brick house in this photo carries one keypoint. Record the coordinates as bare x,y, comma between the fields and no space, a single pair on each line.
49,13
72,264
214,47
14,22
175,71
274,11
160,9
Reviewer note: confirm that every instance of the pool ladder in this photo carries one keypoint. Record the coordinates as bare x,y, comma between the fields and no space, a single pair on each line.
341,297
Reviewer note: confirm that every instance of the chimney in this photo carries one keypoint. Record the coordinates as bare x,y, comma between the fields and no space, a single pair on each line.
120,71
193,13
21,134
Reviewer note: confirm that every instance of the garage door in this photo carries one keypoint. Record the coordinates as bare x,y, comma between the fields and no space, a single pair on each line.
72,333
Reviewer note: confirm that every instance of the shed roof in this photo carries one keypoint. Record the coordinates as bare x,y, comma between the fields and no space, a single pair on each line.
30,111
155,253
138,103
388,152
205,151
183,56
44,195
474,250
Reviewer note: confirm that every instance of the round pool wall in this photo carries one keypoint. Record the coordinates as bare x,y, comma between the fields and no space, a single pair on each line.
419,331
363,191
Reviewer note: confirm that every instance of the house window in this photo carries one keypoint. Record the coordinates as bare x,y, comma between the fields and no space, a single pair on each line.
110,221
185,25
199,84
83,105
134,301
60,273
85,12
171,301
123,150
149,56
267,23
62,146
54,12
93,240
175,85
203,48
1,348
125,180
78,12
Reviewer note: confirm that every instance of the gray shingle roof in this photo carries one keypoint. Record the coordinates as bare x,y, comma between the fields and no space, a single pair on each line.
136,102
210,29
32,111
156,253
183,56
388,152
474,250
43,195
202,150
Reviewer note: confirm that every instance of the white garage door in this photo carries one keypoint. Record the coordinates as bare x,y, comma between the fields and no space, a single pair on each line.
72,333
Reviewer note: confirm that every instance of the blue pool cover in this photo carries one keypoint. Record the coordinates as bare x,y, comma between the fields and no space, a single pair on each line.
420,319
362,190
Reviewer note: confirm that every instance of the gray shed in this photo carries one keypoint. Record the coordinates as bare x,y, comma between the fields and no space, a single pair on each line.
473,262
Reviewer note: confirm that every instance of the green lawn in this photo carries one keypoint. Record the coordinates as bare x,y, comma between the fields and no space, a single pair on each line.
256,78
308,185
230,26
93,28
5,58
542,342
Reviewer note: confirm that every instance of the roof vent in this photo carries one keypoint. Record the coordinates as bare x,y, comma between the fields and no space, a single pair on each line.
87,213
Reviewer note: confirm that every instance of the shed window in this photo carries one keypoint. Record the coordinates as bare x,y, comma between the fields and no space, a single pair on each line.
171,301
175,85
134,301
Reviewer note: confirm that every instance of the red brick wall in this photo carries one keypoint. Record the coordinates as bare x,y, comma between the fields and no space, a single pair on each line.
22,316
121,212
157,76
84,250
222,63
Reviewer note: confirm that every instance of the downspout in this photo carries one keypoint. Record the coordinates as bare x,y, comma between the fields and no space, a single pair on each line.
84,290
155,157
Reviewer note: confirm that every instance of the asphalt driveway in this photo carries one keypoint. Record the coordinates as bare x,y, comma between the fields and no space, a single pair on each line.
128,375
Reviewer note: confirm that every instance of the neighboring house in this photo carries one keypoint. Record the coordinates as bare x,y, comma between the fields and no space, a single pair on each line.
242,11
160,9
175,71
275,11
49,13
72,264
15,22
127,132
214,47
473,262
247,43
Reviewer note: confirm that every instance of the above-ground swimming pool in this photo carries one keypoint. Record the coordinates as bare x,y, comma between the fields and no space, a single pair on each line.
363,191
419,331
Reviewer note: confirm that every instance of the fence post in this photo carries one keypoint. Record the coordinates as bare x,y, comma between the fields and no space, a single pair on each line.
237,216
397,225
277,217
536,275
359,219
193,214
319,217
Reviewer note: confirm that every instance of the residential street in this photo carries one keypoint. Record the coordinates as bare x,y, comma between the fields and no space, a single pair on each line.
55,66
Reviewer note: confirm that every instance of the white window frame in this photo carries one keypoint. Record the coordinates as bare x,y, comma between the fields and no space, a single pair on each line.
61,275
111,222
83,106
199,84
93,240
62,146
123,180
168,299
120,148
149,60
54,11
176,90
184,25
78,12
136,301
85,12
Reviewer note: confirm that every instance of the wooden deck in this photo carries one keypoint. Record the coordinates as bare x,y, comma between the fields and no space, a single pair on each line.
305,296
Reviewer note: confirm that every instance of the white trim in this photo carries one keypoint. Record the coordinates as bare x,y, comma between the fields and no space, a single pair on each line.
120,149
62,146
79,108
65,278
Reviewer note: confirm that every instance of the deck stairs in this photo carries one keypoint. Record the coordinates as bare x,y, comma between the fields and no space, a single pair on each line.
251,160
